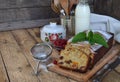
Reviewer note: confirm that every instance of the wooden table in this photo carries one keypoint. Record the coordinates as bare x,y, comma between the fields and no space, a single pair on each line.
18,65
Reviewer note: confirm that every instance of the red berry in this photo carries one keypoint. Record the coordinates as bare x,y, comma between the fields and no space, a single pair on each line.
60,43
55,62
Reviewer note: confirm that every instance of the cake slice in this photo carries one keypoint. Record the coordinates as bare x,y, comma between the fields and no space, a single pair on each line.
75,57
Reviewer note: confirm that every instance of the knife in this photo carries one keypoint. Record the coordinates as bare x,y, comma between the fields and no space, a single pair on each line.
105,70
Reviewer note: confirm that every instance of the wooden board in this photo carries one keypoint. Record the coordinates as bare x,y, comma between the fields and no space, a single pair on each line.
84,77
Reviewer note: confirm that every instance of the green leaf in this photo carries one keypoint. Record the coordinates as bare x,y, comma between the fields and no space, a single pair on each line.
100,40
90,37
79,37
92,41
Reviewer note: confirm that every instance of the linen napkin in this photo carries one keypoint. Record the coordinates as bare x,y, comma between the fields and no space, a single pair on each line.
105,23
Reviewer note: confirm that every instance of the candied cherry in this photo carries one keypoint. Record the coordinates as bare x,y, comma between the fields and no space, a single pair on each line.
55,62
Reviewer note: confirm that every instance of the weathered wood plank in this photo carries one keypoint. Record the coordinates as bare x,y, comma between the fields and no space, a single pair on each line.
25,24
25,10
26,42
18,68
118,68
22,14
116,9
4,4
35,33
3,72
107,7
112,77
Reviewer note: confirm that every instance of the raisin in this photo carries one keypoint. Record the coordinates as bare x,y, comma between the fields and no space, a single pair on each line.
60,62
82,68
61,57
68,62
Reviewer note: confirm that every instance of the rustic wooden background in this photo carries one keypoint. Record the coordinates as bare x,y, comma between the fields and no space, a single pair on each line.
15,14
25,13
20,10
107,7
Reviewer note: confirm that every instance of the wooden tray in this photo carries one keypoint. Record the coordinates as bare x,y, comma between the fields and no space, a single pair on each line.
84,77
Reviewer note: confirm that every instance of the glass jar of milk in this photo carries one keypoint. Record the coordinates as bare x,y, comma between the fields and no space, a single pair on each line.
82,16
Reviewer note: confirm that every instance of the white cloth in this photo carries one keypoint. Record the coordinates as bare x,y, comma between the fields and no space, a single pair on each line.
105,23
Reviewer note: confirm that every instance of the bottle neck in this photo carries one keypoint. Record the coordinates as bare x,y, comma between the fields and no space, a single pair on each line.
83,1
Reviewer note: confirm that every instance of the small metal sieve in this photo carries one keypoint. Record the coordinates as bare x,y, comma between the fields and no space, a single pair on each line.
41,52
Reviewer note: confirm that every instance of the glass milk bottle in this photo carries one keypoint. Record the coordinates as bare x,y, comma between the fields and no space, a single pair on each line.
82,16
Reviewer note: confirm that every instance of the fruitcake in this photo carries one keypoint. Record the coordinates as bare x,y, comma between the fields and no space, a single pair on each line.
82,56
75,57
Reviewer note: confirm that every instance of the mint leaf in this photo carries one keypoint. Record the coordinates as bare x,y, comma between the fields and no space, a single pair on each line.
90,37
100,40
79,37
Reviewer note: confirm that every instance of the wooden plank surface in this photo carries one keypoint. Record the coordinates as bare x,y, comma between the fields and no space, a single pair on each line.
35,33
18,65
18,68
3,72
112,77
26,42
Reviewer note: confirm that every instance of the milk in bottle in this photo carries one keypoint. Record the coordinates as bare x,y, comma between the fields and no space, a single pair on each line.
82,16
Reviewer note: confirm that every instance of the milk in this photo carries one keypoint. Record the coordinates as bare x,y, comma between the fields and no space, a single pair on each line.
82,17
